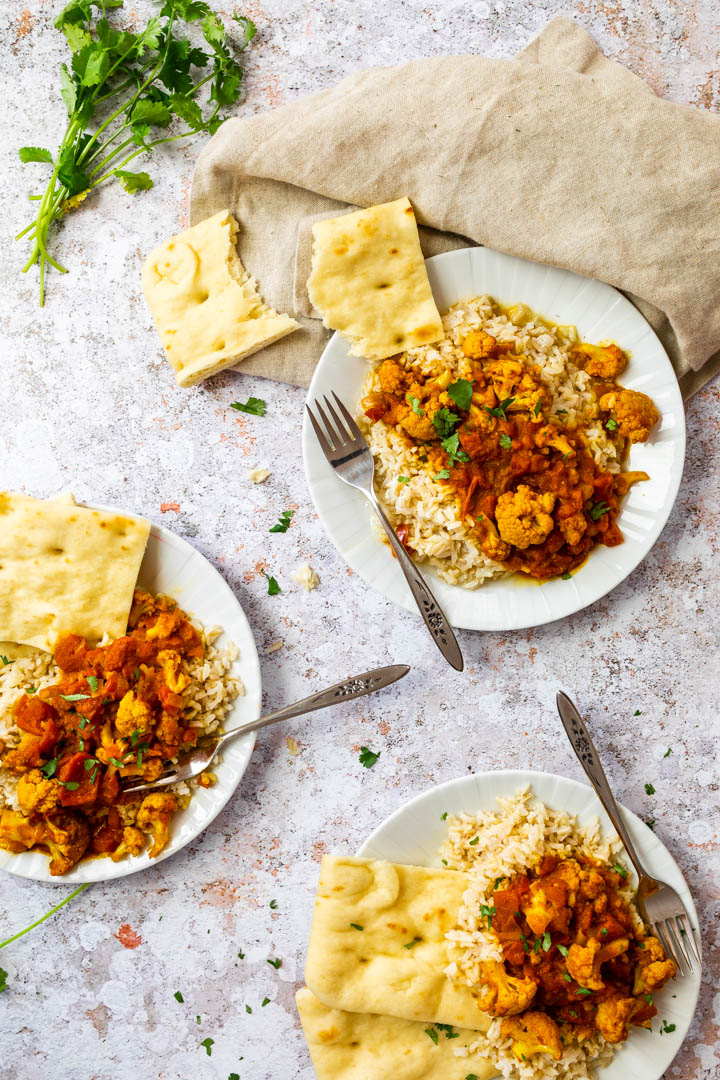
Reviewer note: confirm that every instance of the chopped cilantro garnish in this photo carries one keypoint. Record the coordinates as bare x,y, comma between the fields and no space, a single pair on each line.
562,412
83,722
649,789
432,1034
566,977
49,767
93,682
461,393
505,442
499,410
90,764
264,1002
178,996
5,661
116,762
497,882
537,944
668,752
273,905
612,424
584,991
137,674
403,479
598,509
487,912
283,524
563,950
357,926
538,406
415,406
444,422
451,446
619,870
3,979
573,1014
475,840
637,713
241,955
368,757
480,517
33,690
546,942
649,998
207,1043
273,587
443,817
472,1076
74,697
566,576
525,945
247,1010
69,785
411,944
442,475
604,931
254,405
275,963
665,1028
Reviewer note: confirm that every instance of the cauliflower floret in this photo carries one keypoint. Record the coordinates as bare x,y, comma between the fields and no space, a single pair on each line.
419,427
613,1017
513,379
523,516
585,961
533,1033
392,376
67,837
551,435
503,994
478,345
154,816
132,843
573,527
171,663
635,413
605,361
36,793
166,624
653,968
18,833
25,755
133,715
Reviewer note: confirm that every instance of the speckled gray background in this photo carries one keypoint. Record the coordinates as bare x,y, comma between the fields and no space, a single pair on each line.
89,403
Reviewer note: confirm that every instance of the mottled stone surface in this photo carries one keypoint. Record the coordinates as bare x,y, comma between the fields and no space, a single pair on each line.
89,403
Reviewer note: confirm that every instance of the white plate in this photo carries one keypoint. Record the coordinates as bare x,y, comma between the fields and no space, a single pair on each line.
415,832
173,566
599,312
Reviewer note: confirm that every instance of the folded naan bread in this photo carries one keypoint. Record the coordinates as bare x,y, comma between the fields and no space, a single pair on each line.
65,569
378,942
369,280
363,1046
206,306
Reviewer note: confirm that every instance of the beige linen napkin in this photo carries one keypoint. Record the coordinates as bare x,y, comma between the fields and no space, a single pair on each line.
559,155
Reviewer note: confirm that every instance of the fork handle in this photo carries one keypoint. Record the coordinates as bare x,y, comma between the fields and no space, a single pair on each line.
433,615
587,755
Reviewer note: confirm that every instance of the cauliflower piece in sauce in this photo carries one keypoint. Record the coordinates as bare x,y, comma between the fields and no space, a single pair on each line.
524,516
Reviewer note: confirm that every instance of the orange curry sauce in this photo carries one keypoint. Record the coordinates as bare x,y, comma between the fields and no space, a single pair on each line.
116,711
525,479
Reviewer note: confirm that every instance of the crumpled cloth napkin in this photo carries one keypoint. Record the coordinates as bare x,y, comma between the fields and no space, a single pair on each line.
559,155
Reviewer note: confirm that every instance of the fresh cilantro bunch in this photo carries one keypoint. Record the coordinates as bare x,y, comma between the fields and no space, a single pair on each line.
121,91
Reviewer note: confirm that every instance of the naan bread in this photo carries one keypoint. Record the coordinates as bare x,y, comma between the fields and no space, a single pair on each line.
206,306
363,1046
65,569
369,280
396,964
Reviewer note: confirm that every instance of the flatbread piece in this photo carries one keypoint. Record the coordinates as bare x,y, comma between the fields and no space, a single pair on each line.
369,280
206,306
363,1046
65,569
396,963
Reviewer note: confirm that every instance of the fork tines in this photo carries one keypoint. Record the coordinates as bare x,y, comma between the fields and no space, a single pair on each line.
678,942
344,435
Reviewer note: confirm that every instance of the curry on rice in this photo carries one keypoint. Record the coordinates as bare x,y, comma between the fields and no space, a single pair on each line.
471,436
117,711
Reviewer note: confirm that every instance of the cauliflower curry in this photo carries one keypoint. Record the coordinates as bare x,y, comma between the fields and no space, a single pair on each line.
572,954
116,712
524,477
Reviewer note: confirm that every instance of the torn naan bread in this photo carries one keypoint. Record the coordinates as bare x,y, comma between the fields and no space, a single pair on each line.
206,306
65,569
369,280
365,1046
378,942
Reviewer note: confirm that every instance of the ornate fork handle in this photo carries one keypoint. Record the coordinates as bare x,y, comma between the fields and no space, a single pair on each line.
354,687
433,615
587,755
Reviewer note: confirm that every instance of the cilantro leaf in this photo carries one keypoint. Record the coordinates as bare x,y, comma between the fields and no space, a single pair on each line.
93,681
134,181
461,393
255,406
4,660
432,1033
442,475
275,963
208,1043
3,980
49,767
415,406
149,111
368,757
505,442
444,422
451,446
598,509
74,697
499,410
34,153
283,524
649,789
357,926
178,996
273,587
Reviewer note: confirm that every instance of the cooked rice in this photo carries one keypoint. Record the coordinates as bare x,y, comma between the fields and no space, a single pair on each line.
208,697
511,840
430,509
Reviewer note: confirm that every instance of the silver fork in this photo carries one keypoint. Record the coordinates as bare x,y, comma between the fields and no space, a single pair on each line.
198,760
347,451
658,903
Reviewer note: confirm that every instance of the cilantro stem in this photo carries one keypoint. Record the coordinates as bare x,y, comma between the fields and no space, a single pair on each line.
57,907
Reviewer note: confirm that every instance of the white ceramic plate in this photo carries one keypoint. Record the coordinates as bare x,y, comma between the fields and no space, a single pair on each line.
599,312
415,832
173,566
